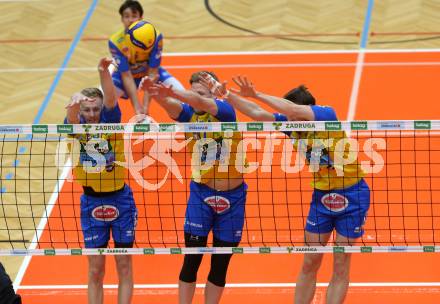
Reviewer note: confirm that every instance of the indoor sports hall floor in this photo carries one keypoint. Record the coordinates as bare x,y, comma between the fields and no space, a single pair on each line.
380,278
50,50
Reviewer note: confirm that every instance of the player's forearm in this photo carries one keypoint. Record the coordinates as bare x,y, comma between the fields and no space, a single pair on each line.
146,103
108,89
279,104
249,108
171,106
130,88
191,98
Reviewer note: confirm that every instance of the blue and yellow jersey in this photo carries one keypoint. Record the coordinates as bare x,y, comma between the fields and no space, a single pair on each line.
129,57
218,148
97,156
320,149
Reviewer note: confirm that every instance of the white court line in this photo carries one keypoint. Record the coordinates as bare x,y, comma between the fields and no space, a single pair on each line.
5,1
356,84
232,66
236,285
43,221
301,52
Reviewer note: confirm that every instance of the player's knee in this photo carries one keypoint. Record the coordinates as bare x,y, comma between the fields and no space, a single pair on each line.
96,271
96,275
312,262
220,264
124,266
191,262
341,266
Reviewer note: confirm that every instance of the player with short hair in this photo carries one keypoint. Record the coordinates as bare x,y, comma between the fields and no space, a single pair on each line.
217,192
340,201
107,204
137,50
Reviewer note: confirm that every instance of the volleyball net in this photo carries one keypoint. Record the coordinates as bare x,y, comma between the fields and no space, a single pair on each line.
40,210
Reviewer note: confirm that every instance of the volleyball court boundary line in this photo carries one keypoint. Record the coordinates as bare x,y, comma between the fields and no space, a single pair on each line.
237,285
67,166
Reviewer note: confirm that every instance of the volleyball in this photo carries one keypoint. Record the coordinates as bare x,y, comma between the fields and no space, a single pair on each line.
142,35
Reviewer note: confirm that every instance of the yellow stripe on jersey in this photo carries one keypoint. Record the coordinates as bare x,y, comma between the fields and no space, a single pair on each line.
214,154
322,149
97,156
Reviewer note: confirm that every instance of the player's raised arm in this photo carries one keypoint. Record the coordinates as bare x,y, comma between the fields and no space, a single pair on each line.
290,109
235,98
162,93
194,99
110,99
74,106
126,76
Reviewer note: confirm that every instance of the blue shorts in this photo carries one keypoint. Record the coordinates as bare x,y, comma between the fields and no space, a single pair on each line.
221,211
342,209
117,80
116,212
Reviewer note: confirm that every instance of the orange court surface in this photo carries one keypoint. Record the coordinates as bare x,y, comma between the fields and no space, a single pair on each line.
394,85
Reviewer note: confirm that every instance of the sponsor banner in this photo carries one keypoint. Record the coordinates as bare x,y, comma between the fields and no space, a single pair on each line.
428,249
390,125
149,251
198,127
422,125
338,249
255,126
167,127
141,128
397,249
304,249
359,125
366,249
237,250
112,250
65,129
299,126
207,250
175,250
49,251
19,252
229,126
11,130
76,251
333,126
264,250
40,128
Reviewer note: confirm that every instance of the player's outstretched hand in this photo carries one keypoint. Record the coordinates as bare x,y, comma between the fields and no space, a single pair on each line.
161,91
247,88
147,83
76,100
104,63
216,88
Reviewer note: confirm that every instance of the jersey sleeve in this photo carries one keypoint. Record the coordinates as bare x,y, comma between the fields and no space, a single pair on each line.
186,114
225,112
156,53
111,115
280,117
324,113
121,60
